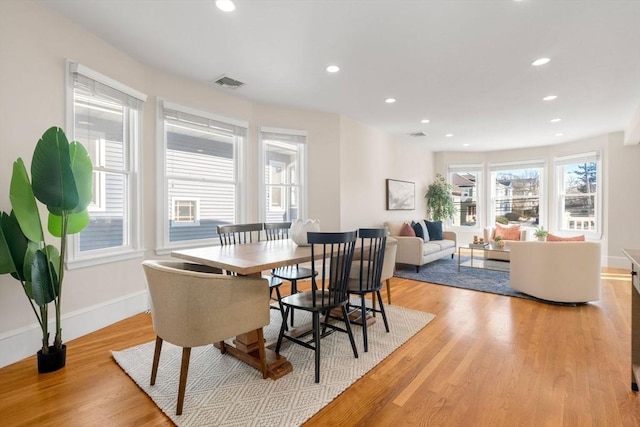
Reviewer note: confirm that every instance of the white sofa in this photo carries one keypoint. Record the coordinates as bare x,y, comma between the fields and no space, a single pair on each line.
556,271
415,251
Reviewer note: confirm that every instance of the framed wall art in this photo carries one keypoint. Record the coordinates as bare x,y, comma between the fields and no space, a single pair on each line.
401,195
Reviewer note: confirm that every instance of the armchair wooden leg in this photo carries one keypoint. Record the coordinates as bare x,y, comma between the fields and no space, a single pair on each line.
184,371
156,360
261,352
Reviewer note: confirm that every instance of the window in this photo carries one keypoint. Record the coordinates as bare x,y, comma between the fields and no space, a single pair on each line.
466,183
185,212
579,201
284,189
106,118
200,167
516,193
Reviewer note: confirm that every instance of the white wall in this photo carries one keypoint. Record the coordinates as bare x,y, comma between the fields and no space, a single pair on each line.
369,157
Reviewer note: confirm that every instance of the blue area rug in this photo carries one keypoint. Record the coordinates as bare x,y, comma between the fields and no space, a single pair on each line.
445,272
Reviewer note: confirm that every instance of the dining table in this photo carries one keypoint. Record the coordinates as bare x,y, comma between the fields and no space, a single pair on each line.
251,260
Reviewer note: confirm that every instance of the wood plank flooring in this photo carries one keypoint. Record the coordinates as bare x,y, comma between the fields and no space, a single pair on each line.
486,360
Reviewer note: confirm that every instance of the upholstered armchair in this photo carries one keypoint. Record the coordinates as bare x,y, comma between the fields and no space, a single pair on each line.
556,271
195,308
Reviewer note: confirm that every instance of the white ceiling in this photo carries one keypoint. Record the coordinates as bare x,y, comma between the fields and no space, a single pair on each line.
462,64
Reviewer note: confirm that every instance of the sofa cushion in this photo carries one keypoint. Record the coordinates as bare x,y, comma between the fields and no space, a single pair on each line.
430,248
394,228
507,233
554,238
435,230
421,230
406,230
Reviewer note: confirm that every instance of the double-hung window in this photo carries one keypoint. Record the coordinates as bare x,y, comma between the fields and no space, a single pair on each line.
199,166
283,195
517,193
578,206
106,117
466,182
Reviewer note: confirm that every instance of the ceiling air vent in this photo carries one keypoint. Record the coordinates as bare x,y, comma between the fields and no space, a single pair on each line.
228,82
417,134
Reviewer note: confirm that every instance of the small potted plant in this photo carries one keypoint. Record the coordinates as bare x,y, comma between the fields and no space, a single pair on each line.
541,234
499,241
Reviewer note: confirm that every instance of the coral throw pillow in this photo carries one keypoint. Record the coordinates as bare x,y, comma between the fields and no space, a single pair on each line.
554,238
507,233
407,230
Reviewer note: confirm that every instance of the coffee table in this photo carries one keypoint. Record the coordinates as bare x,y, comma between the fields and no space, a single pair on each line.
477,261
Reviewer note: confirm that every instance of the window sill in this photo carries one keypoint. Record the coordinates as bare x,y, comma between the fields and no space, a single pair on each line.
103,259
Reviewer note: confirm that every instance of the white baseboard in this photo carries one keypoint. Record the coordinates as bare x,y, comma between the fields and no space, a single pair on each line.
618,262
24,342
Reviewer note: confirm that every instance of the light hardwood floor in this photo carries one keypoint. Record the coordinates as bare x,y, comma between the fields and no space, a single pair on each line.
486,360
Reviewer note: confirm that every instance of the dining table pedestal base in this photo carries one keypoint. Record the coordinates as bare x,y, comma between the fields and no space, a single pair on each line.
245,348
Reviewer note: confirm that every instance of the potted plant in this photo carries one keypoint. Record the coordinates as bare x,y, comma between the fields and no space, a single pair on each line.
541,234
499,241
439,200
61,179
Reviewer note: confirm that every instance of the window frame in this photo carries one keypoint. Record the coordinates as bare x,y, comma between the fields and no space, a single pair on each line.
478,170
558,208
132,242
518,165
163,244
300,190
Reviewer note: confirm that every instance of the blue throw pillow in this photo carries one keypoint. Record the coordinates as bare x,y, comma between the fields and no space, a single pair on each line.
435,230
418,230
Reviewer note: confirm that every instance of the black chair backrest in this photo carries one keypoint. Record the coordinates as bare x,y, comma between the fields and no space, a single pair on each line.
277,230
236,234
372,245
336,251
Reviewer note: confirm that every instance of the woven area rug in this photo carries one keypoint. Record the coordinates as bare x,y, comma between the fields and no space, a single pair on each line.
445,272
222,391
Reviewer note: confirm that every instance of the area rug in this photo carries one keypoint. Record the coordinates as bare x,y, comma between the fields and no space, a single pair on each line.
223,391
445,272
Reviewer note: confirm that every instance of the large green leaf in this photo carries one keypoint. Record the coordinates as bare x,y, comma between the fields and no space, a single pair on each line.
52,178
6,259
41,284
29,257
54,260
13,246
24,203
82,173
76,223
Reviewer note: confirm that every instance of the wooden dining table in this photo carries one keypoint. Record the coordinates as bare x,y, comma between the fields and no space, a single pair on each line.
251,260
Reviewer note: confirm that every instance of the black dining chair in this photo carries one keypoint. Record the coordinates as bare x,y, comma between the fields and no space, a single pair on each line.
366,277
233,234
328,291
290,273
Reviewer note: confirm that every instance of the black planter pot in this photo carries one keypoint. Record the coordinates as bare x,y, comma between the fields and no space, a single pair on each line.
53,361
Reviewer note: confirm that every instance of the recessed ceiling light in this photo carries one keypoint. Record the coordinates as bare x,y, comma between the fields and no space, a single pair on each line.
559,134
425,121
465,145
225,5
390,100
333,68
555,120
449,135
540,61
549,97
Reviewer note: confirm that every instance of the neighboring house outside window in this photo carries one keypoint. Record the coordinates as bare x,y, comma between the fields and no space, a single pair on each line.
283,174
199,165
466,182
579,201
106,118
517,193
